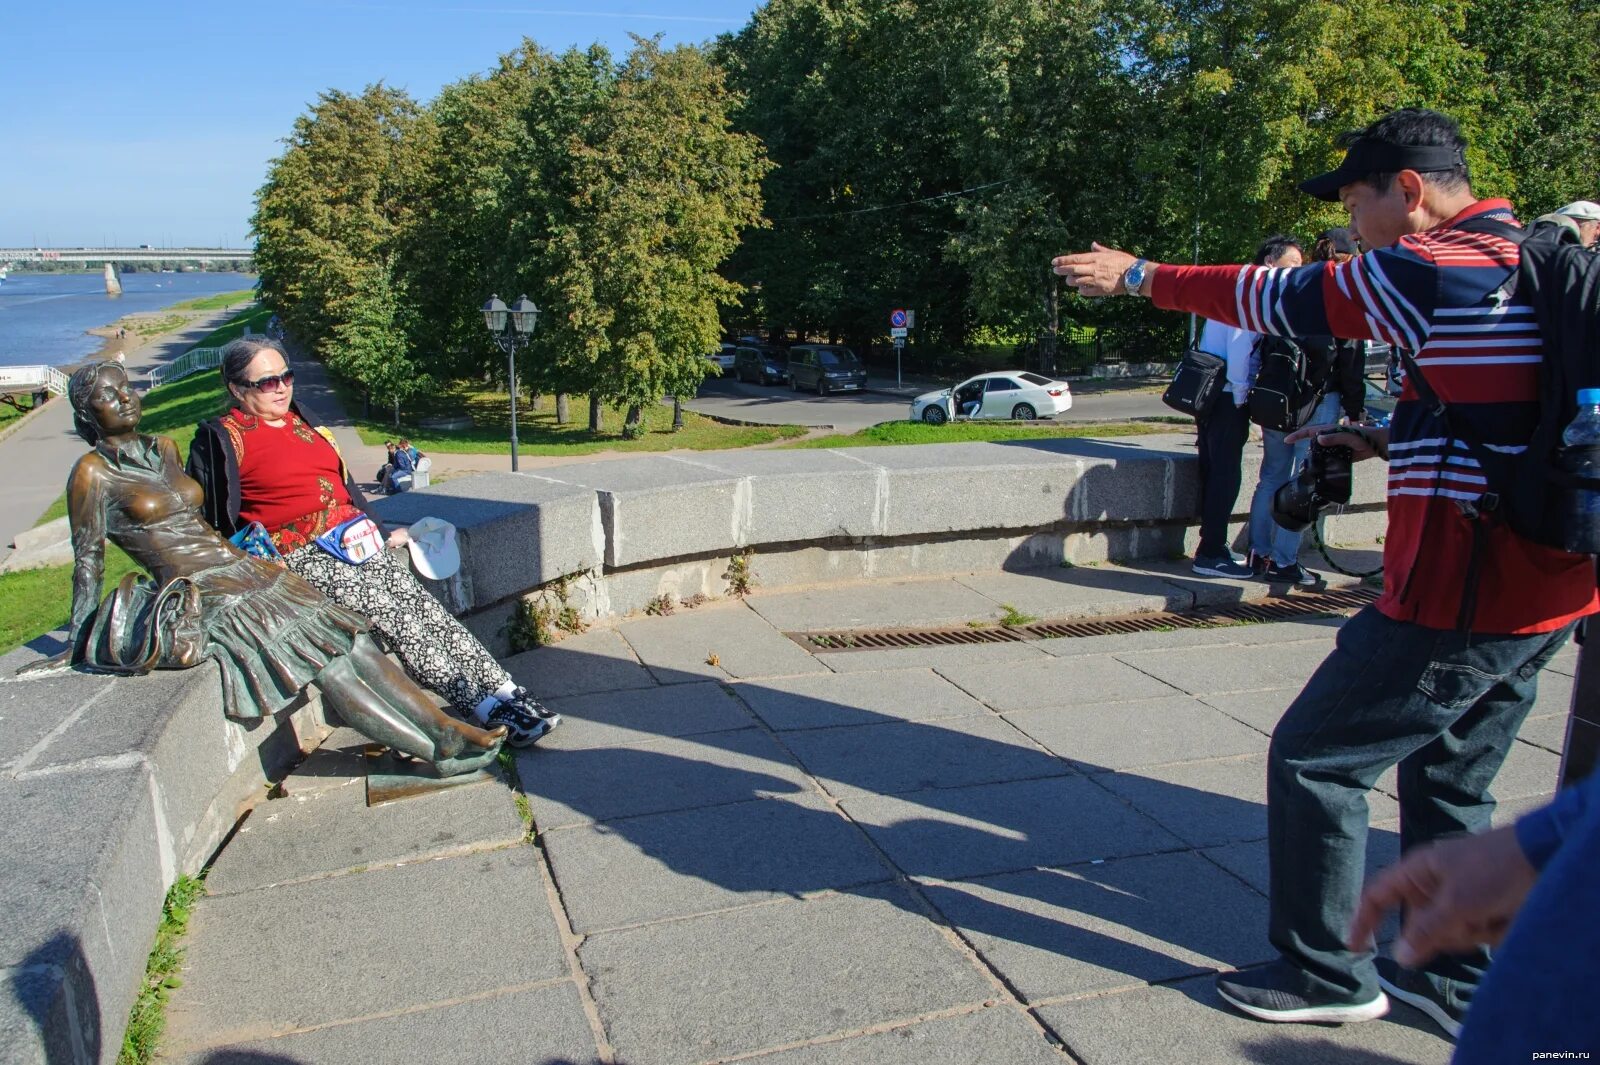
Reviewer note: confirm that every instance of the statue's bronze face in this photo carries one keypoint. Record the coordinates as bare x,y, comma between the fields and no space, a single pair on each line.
113,403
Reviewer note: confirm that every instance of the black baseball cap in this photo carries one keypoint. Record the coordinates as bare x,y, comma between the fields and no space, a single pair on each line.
1340,240
1368,156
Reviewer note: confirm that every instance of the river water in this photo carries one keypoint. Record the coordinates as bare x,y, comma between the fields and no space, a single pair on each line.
43,317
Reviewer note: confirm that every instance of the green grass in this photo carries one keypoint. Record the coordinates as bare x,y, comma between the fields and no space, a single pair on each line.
1014,617
34,602
891,433
218,302
148,1017
538,433
254,317
8,413
149,327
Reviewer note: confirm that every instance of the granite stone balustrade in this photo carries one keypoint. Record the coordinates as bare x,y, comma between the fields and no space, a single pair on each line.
109,788
629,530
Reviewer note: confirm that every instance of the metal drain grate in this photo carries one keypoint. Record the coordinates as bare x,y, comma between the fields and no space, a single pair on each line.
1278,608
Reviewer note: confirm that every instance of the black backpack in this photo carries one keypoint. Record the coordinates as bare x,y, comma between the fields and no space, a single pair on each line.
1530,491
1287,387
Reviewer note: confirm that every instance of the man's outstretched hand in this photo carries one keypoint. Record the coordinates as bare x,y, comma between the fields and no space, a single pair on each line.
1458,893
1364,441
1097,272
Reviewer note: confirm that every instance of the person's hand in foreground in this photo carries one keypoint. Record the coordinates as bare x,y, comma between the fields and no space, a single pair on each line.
398,537
1097,272
1364,441
1458,893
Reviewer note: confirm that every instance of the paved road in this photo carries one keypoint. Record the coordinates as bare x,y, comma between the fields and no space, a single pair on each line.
776,404
952,854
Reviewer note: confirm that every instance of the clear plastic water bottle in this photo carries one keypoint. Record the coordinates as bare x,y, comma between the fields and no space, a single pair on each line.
1581,456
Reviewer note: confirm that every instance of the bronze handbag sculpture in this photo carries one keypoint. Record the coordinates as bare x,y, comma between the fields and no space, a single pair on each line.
269,632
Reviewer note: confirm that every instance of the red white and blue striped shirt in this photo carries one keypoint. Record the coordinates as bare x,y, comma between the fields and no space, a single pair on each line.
1449,297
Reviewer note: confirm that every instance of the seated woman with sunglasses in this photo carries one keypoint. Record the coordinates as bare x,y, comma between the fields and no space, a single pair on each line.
264,461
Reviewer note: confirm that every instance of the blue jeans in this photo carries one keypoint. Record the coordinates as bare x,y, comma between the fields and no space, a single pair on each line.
1442,705
1280,463
1539,994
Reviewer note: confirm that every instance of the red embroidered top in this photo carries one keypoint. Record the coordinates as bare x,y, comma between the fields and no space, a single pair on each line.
290,479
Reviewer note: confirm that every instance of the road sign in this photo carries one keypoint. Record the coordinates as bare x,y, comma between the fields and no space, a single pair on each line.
898,332
899,342
897,319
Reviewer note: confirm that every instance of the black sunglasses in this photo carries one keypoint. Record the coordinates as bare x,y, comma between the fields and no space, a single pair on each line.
272,383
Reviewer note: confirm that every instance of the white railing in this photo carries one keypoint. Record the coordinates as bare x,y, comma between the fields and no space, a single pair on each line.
32,379
190,362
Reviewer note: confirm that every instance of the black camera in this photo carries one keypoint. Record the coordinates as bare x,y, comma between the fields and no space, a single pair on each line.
1324,482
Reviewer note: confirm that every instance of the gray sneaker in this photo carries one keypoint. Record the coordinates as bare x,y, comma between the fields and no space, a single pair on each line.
523,727
1416,990
1221,567
1276,991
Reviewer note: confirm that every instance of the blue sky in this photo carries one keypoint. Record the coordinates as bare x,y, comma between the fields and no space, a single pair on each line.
152,121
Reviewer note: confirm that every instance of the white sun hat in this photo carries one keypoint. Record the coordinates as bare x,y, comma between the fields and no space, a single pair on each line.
1582,210
433,548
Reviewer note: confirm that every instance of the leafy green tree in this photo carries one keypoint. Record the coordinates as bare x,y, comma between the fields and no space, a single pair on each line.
333,216
370,344
660,189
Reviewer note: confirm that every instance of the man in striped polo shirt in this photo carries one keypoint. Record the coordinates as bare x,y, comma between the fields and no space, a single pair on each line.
1438,675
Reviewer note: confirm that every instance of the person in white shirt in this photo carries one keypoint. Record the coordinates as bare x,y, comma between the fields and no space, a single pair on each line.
1223,432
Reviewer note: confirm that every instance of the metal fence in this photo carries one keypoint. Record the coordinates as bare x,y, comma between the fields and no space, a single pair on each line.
190,362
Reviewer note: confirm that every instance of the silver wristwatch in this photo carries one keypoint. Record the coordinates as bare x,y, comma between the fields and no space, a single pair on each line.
1133,277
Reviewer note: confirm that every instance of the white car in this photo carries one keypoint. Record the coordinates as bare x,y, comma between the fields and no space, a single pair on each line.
1007,394
723,357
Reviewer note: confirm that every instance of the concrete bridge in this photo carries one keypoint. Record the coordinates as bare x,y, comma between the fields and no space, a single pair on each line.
143,253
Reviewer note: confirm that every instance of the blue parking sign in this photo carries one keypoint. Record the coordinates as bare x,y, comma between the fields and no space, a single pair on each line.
897,319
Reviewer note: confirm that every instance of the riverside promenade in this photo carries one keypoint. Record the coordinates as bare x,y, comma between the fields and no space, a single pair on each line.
737,848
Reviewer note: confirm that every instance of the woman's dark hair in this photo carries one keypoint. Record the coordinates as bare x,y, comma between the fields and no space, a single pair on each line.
80,390
1274,246
237,355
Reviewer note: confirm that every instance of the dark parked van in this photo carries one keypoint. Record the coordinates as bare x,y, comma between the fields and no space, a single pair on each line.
760,364
825,368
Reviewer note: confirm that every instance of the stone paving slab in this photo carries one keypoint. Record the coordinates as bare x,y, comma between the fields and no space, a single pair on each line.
613,719
1052,932
994,1036
1548,731
596,661
1555,692
1187,1024
911,756
542,1026
1261,709
361,944
880,605
293,838
1056,682
676,649
1176,728
766,976
933,657
1203,670
694,861
829,700
953,833
1209,803
1528,771
1080,592
575,787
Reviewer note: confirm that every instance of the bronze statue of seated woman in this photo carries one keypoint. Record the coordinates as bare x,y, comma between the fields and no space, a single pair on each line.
269,631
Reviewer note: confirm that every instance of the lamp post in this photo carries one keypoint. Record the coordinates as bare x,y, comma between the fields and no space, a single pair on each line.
512,328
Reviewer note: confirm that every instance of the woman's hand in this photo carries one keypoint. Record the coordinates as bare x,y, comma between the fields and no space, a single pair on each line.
399,537
1364,442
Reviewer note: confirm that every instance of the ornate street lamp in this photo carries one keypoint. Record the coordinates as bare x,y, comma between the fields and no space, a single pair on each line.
512,327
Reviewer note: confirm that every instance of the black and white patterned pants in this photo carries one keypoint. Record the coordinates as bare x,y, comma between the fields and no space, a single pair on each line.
435,649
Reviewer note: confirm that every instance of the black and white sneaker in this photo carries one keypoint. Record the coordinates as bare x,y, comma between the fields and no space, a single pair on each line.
523,727
1414,989
521,698
1293,574
1221,567
1277,992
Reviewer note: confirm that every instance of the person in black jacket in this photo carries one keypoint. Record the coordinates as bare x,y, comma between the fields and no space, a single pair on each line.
1338,366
